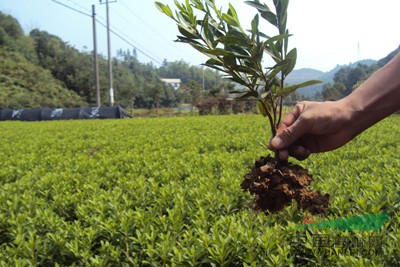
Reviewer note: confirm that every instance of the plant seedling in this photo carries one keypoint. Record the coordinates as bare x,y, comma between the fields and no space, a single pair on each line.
239,54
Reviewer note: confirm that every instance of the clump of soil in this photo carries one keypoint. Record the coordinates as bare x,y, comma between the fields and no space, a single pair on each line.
277,185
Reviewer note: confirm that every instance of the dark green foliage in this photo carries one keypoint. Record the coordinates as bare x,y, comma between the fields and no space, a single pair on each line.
84,193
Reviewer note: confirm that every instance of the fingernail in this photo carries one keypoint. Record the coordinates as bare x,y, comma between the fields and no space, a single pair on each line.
277,142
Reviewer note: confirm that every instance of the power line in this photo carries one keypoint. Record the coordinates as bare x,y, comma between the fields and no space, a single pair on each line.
80,6
143,33
150,27
111,30
74,9
126,41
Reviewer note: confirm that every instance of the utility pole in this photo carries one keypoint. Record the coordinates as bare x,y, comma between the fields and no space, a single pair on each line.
96,64
110,77
203,78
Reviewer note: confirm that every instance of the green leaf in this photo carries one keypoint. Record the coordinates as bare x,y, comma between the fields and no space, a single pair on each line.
229,60
189,7
230,20
250,63
236,80
276,38
215,67
258,5
263,35
292,88
254,26
198,5
212,61
261,108
233,13
212,53
286,42
282,15
207,33
184,16
233,40
273,51
183,39
276,69
264,95
245,69
246,95
282,7
292,58
164,9
270,17
187,32
257,53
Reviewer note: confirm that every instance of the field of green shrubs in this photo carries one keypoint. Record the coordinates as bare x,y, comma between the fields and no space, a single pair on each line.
166,192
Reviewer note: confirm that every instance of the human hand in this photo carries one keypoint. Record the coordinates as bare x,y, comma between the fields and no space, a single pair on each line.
313,127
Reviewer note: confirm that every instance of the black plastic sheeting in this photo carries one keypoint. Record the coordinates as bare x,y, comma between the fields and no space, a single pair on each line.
46,114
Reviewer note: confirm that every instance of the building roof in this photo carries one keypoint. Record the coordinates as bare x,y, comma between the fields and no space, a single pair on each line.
167,80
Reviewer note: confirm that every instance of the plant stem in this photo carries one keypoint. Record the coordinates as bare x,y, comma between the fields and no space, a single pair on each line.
281,101
278,161
277,158
270,119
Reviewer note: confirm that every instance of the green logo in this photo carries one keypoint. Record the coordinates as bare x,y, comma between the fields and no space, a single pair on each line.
370,222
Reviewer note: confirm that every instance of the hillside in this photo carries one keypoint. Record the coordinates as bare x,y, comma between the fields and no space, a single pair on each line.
24,84
301,75
305,74
42,70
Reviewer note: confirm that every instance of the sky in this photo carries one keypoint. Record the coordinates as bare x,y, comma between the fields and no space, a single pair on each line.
325,32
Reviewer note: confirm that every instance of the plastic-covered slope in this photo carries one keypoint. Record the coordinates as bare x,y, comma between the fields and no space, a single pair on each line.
45,114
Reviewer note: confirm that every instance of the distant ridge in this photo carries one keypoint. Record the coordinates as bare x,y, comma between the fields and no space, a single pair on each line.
305,74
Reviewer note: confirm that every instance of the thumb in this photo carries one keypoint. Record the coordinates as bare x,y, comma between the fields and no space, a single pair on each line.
289,135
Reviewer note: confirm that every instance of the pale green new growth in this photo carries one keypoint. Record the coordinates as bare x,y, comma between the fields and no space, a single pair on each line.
239,53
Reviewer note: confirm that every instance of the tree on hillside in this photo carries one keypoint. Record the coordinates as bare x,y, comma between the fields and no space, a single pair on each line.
9,28
12,38
389,57
75,70
334,91
67,64
345,80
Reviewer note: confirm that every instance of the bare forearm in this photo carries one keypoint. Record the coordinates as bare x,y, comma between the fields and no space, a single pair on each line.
314,127
376,98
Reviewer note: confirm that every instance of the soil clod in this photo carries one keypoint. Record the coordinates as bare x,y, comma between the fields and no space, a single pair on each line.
276,187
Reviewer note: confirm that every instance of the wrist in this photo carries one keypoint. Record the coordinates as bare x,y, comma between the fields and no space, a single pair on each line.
354,114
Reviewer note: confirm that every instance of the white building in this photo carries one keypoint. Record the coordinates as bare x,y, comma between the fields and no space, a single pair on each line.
175,83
